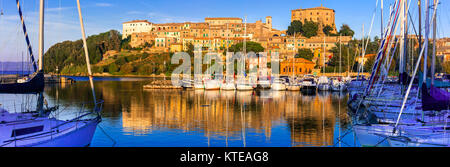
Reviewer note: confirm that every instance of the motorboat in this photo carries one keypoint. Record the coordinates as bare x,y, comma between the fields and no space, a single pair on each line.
309,86
278,84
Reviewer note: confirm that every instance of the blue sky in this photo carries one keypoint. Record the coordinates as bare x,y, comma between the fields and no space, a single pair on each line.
103,15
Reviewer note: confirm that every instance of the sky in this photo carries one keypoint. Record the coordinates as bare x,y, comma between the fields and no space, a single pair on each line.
61,17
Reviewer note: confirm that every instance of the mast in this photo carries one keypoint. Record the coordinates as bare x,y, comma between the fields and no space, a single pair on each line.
245,44
86,52
433,60
41,35
381,21
323,55
40,102
340,55
427,30
420,24
293,59
24,29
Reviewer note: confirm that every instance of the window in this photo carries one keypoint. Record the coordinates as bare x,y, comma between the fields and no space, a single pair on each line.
26,131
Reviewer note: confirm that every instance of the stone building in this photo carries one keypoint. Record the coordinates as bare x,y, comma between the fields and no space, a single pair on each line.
135,26
322,15
296,66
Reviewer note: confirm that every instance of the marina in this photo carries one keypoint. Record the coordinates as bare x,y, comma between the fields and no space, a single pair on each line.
229,82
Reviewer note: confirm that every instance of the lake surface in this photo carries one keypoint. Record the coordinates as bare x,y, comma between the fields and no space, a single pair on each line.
133,117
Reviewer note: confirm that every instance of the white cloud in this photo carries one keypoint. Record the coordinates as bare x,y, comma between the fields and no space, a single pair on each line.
164,18
103,4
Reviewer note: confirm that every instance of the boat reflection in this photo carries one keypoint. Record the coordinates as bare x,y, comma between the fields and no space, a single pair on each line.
251,118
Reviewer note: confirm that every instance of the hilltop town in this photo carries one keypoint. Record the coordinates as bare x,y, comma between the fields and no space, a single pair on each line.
144,48
218,34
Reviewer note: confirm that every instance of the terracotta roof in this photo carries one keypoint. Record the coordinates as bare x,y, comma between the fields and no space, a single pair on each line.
223,18
298,60
315,8
137,21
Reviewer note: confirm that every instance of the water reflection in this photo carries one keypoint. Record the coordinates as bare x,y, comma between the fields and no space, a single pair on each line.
138,117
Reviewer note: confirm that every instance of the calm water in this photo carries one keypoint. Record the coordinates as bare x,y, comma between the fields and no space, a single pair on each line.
134,117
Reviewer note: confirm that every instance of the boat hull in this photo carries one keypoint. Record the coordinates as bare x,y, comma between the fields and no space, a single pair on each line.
34,85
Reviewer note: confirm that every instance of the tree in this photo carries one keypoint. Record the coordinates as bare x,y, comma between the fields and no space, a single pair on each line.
310,29
327,30
250,47
295,27
305,53
112,68
446,67
346,31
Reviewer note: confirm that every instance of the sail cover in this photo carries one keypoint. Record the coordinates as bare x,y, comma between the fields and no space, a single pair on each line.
435,99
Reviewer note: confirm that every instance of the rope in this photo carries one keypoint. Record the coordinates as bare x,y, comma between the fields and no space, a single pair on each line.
106,134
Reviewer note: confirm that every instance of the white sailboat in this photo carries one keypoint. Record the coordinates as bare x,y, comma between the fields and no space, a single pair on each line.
338,84
293,84
242,84
278,84
323,84
37,129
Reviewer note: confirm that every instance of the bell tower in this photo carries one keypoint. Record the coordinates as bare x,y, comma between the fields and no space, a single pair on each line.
269,22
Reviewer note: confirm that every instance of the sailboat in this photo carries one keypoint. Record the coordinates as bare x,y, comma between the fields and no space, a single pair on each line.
338,84
242,84
323,84
39,129
229,80
33,83
293,84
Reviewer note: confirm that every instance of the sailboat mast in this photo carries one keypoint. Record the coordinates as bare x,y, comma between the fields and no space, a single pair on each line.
41,35
86,52
323,55
381,30
420,23
433,61
427,30
340,55
293,58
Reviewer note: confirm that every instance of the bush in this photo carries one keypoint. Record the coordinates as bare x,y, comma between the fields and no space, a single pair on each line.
127,69
113,68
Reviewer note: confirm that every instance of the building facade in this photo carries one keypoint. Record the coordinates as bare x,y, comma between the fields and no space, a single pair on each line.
135,26
296,66
324,16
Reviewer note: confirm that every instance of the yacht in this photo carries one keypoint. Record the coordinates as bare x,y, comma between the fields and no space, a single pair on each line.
212,84
228,86
278,84
309,86
294,85
338,85
323,83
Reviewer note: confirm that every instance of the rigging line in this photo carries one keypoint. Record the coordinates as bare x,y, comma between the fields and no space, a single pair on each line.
415,71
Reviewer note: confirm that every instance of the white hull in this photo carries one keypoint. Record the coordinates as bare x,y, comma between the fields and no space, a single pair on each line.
244,87
293,88
373,136
228,86
323,87
69,134
278,87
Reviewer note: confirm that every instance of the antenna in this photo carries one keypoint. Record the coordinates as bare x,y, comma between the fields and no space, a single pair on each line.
1,8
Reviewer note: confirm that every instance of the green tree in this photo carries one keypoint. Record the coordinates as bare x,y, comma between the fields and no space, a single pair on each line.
112,68
310,29
446,67
327,30
346,31
305,53
295,27
250,47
